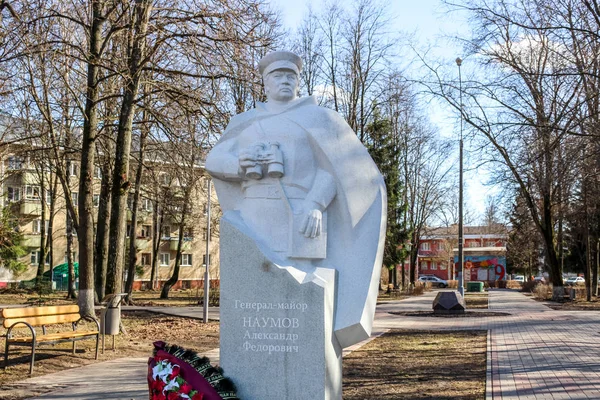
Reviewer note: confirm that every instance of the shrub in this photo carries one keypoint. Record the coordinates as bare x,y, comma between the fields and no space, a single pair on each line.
529,286
513,284
542,291
452,284
420,288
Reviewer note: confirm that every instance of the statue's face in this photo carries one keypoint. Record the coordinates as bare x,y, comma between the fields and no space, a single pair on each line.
281,85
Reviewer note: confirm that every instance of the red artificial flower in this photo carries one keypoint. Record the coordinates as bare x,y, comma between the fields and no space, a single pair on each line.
159,396
173,396
174,373
158,385
185,388
198,396
158,358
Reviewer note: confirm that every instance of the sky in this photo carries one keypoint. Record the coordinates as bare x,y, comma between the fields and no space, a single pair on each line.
431,26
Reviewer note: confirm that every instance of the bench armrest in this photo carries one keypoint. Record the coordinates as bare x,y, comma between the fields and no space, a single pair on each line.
33,334
86,319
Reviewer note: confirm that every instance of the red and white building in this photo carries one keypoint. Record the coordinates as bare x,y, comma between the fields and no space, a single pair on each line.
484,250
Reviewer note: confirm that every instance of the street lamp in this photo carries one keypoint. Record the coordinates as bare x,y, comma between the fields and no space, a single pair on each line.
461,259
207,271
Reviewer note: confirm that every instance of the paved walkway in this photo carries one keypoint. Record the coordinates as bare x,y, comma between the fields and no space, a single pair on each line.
534,353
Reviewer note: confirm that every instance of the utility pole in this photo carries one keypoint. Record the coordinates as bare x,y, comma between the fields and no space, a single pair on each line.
461,258
207,271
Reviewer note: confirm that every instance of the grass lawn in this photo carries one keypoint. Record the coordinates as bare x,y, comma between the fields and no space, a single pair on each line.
476,300
184,297
406,364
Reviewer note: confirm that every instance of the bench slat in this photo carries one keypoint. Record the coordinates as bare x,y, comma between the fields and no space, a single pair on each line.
53,336
43,320
39,311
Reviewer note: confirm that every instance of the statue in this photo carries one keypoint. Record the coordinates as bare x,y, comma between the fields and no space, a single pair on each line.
303,184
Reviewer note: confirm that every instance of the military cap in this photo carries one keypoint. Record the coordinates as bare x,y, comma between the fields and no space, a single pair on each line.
279,60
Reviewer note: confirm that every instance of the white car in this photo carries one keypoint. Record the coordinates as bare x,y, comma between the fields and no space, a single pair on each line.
434,280
577,280
519,278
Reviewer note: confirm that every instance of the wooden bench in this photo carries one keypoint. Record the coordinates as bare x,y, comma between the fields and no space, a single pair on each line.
30,317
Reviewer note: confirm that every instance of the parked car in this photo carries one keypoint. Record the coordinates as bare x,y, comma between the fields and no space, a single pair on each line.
540,279
576,280
519,278
434,280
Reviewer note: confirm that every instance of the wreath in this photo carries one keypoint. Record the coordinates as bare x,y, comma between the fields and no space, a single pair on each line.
175,373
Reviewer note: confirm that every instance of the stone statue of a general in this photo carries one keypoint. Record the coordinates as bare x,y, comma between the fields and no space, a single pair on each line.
301,181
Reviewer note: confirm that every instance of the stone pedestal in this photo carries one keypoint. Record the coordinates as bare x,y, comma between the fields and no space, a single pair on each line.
277,338
449,303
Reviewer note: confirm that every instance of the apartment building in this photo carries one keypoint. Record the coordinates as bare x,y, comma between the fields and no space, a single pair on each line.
29,188
484,252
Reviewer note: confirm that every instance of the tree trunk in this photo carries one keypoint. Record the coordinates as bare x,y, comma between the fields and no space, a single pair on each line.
50,236
71,291
86,179
121,184
164,294
42,259
157,220
134,214
103,222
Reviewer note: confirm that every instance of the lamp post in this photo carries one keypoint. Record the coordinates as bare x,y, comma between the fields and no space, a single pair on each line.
207,271
461,259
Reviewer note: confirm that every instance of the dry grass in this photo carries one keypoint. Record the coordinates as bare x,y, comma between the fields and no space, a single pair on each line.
542,291
178,298
476,301
418,365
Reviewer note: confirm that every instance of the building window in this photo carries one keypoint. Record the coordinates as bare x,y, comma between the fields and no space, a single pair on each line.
165,259
98,172
96,200
472,244
188,234
15,162
425,246
186,260
433,265
74,169
164,179
443,266
490,244
75,198
36,228
35,257
32,192
13,194
146,205
146,258
48,196
165,232
128,230
146,231
204,235
423,265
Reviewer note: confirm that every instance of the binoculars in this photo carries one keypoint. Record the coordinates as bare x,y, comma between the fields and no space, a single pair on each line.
274,165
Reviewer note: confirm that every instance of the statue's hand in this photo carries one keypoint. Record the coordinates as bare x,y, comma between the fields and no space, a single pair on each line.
247,158
312,224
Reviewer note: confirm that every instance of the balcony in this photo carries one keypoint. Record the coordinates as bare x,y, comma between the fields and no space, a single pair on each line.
142,243
31,207
185,246
33,241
